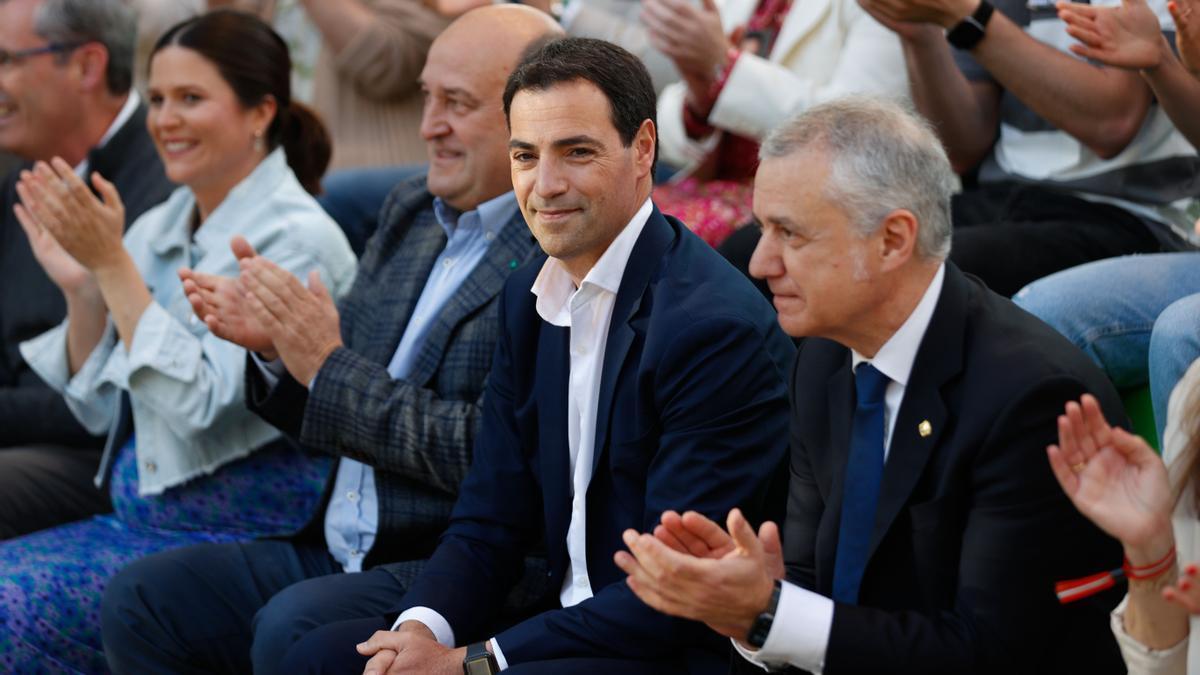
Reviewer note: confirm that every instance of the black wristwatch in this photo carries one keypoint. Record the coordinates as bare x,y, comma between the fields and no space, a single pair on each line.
761,628
479,660
968,32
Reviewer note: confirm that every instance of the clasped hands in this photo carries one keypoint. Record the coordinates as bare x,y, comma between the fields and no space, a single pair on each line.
268,310
411,648
73,234
691,568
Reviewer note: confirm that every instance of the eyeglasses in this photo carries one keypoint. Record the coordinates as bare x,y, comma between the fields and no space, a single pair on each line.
13,58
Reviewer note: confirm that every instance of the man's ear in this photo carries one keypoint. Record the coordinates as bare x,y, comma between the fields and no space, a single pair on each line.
89,63
645,141
897,239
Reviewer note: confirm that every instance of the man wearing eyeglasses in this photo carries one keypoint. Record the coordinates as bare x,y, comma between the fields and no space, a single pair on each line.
66,68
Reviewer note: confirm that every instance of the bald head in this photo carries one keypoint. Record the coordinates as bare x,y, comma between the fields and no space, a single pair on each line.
463,80
505,29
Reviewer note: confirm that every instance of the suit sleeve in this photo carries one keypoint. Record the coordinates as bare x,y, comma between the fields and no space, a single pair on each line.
723,415
357,410
282,406
1021,536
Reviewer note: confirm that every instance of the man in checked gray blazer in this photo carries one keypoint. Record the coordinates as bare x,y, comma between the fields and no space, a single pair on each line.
390,382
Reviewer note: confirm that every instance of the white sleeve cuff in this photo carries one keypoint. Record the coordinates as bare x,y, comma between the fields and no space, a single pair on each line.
799,635
501,662
432,620
1142,659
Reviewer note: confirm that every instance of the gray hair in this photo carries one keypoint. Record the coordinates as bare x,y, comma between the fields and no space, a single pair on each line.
883,157
109,22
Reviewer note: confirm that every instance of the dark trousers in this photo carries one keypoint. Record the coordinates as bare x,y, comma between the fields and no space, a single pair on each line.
330,651
43,486
236,608
1011,235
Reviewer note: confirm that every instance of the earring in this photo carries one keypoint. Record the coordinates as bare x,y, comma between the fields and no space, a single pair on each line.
258,141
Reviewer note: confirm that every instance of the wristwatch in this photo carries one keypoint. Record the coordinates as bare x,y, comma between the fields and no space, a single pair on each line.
968,32
479,660
761,627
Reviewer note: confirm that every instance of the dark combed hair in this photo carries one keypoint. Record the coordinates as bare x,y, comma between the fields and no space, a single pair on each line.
620,75
253,60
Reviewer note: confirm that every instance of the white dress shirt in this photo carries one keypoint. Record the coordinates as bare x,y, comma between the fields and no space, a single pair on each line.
587,312
799,635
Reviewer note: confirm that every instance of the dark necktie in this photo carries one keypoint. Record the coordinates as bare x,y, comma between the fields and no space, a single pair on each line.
860,492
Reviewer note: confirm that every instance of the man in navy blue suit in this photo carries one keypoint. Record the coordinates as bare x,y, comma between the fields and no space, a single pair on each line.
636,372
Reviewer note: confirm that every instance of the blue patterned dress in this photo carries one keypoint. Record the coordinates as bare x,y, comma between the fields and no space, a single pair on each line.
51,581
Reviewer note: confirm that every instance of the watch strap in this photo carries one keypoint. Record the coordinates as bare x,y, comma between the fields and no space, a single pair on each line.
479,660
968,32
761,628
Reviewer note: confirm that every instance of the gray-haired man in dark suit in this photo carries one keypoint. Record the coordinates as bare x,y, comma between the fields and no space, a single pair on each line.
392,386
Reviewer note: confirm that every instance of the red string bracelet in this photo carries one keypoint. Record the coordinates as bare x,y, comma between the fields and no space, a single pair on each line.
1084,587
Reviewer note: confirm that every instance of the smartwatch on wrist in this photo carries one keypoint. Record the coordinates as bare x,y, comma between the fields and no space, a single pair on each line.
479,661
761,628
968,32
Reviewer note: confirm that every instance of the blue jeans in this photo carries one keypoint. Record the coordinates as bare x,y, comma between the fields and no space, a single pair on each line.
1137,316
353,197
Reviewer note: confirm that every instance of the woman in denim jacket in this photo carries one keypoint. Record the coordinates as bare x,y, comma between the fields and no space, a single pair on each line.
198,466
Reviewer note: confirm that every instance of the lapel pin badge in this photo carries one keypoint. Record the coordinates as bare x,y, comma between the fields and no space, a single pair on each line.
925,428
512,264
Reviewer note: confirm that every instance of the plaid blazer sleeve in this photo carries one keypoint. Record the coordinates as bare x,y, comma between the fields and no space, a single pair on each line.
357,410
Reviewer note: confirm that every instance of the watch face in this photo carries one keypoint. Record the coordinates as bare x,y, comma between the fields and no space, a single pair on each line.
477,667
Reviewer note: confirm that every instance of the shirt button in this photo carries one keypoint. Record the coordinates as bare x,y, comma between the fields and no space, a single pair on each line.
151,467
489,235
352,496
580,583
355,553
448,262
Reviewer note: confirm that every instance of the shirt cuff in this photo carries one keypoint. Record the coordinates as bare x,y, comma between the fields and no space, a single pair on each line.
501,662
799,635
271,370
1141,659
432,620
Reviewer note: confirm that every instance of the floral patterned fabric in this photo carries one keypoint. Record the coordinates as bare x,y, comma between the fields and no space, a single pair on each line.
51,581
712,209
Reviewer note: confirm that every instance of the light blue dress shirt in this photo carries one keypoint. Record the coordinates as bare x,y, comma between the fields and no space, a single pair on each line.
352,517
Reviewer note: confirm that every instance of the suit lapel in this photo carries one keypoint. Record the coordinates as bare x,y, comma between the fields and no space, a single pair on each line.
840,395
413,241
922,416
511,249
551,384
647,253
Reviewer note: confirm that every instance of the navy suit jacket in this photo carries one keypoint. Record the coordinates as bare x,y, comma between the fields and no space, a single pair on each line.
692,414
